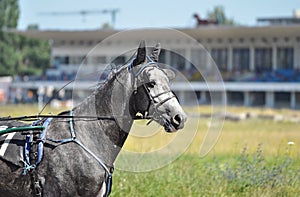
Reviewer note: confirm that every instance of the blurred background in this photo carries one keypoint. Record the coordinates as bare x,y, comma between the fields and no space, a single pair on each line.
254,44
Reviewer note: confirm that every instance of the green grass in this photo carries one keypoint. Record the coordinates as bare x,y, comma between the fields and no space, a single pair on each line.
251,158
28,109
213,176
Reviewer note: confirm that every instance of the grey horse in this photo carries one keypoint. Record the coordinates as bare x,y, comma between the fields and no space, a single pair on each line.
67,169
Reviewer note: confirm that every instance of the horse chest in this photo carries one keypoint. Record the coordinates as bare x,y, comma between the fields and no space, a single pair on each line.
69,170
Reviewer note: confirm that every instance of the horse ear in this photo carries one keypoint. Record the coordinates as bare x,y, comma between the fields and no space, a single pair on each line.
155,53
141,54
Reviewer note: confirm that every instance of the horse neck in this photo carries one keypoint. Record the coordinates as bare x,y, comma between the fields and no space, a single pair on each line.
111,100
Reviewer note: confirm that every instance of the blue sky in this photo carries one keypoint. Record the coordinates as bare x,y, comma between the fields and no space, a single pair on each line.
151,13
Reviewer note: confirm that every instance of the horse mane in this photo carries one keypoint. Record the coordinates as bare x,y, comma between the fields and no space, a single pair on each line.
114,70
101,85
112,74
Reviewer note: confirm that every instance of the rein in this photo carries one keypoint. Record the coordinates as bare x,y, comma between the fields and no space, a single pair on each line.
38,117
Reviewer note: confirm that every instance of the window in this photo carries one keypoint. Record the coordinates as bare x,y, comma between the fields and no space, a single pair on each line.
285,57
177,60
96,60
220,58
199,58
263,59
240,60
59,60
200,65
76,60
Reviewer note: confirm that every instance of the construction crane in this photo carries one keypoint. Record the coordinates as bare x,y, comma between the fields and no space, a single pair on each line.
84,13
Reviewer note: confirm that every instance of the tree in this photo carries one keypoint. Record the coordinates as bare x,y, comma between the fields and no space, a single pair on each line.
19,55
9,14
218,14
33,27
35,56
9,57
106,26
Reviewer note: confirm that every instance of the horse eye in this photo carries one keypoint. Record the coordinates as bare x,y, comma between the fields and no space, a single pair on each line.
151,84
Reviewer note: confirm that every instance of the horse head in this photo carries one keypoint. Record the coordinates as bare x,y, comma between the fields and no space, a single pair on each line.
152,95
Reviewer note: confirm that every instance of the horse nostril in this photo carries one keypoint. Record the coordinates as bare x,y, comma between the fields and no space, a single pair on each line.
177,119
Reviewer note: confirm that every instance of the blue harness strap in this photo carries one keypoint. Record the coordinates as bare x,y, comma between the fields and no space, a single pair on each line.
40,147
74,139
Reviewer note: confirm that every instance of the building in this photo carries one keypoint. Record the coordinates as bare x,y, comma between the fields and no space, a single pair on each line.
260,64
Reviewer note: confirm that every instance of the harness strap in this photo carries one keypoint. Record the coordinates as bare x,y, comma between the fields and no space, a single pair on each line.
165,100
75,140
21,129
38,144
40,147
162,93
36,186
71,126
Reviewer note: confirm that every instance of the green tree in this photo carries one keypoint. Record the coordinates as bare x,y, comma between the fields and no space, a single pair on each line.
19,55
218,13
35,56
9,14
9,57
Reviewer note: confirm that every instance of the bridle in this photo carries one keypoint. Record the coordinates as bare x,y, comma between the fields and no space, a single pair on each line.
154,102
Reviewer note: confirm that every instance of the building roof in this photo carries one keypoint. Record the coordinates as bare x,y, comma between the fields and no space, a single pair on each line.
280,20
66,35
243,31
212,31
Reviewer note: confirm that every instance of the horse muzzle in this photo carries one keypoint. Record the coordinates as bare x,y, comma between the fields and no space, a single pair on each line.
175,123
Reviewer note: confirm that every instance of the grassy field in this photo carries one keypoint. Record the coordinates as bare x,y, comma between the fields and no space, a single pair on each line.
258,156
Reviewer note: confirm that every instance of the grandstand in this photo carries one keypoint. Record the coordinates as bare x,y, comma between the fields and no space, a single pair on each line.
259,64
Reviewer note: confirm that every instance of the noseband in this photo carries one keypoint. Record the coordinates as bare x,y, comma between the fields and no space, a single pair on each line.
154,104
